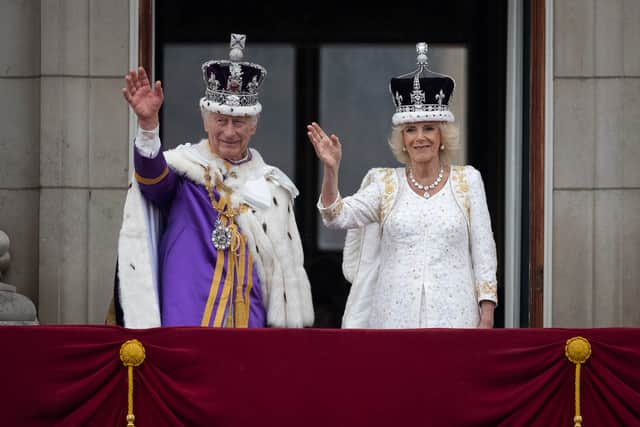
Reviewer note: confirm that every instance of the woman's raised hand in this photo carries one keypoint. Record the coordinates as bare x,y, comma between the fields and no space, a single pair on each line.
328,148
144,100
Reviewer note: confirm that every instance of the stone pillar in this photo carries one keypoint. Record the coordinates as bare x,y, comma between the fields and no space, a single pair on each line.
15,309
20,138
84,155
596,150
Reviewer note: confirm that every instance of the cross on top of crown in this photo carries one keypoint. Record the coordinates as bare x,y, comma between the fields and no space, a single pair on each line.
421,50
236,46
237,41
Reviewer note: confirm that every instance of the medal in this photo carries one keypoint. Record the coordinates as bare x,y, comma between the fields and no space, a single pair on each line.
221,236
224,235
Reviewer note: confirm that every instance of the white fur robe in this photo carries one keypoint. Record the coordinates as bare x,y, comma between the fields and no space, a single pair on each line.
269,226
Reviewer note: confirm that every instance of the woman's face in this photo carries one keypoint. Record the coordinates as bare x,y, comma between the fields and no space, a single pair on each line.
422,141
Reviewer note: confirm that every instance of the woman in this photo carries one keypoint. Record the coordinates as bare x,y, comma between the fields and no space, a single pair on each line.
420,251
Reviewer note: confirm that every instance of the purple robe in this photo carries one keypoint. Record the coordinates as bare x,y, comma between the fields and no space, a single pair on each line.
187,257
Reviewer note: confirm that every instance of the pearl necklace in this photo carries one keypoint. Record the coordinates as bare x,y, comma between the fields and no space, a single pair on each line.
426,188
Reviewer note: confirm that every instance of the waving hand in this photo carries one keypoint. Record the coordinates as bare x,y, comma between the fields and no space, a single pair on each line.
329,151
328,148
144,99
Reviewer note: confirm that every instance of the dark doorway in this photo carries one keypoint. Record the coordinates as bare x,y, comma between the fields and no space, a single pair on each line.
309,29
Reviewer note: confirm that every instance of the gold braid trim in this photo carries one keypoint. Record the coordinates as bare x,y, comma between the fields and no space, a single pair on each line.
461,187
388,192
239,300
152,181
578,351
236,260
487,288
329,214
247,291
132,354
213,290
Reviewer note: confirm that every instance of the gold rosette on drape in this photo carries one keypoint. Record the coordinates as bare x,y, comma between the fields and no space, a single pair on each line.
578,351
132,354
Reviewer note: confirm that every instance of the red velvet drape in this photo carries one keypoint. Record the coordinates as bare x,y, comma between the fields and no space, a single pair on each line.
72,376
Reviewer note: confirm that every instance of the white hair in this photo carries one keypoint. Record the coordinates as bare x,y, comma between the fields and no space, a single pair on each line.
252,119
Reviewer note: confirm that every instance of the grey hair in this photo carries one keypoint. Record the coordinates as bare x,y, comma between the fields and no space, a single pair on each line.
448,138
253,119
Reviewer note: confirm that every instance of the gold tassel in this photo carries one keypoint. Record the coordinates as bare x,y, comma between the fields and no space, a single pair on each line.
577,350
132,354
235,264
240,302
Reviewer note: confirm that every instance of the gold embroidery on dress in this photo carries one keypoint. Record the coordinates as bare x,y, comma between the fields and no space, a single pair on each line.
333,212
389,191
488,288
462,187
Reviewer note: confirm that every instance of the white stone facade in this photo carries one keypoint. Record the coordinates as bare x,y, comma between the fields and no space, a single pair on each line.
64,150
596,179
64,155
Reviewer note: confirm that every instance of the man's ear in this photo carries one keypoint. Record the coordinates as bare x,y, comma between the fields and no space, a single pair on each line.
204,122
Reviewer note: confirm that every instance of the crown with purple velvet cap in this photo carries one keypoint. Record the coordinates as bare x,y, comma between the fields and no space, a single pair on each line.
232,85
422,95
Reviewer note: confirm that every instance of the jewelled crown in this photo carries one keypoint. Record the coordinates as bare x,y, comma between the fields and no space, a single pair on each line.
232,85
422,95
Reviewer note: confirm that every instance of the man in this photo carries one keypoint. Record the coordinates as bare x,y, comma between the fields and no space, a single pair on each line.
229,254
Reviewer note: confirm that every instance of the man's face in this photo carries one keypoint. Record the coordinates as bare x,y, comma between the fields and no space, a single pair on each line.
229,135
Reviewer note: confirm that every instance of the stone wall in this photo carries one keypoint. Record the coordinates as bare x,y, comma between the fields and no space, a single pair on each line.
20,139
64,150
83,155
596,196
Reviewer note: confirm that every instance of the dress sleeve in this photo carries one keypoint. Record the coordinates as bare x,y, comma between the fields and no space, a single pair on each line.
355,211
483,246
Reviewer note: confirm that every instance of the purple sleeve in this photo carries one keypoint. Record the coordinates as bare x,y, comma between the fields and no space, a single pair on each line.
156,180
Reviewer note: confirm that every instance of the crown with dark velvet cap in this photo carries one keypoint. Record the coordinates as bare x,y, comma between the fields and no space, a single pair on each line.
422,95
232,85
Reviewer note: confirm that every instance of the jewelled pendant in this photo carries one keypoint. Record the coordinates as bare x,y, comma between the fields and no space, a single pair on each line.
426,195
221,236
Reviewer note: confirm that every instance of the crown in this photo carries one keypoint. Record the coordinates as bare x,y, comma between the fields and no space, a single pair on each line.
232,85
421,98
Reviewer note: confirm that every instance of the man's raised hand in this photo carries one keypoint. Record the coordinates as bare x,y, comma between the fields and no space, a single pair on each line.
144,100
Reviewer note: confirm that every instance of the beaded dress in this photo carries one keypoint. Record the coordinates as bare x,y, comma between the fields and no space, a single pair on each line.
425,276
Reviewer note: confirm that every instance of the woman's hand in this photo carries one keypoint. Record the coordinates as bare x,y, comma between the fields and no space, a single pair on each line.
329,151
328,148
486,314
144,100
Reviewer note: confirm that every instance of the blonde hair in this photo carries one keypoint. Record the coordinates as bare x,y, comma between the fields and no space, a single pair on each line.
448,138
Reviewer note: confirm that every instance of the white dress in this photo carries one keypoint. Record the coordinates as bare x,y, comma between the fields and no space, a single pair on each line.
425,277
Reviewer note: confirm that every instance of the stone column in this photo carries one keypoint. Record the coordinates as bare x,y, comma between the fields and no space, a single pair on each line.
20,138
84,155
596,151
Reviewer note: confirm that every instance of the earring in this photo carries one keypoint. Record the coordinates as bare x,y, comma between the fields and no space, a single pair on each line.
404,148
441,147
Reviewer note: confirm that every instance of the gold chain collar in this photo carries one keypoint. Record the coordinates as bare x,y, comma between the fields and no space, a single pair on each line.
225,234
